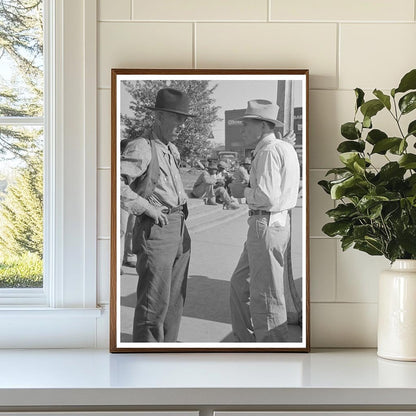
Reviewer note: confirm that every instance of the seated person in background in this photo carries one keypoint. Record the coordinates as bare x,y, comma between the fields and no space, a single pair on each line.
223,175
241,179
210,186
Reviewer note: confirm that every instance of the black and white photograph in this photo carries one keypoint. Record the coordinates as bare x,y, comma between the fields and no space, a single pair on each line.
209,218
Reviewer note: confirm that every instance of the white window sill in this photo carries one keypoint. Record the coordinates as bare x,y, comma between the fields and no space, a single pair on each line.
40,327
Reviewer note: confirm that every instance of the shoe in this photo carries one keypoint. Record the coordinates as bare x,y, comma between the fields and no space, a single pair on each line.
211,201
231,205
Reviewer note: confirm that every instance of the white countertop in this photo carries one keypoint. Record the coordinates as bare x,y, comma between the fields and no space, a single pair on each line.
96,377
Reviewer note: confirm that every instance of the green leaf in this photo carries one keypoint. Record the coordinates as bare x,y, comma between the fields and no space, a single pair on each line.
361,231
407,239
385,99
369,201
398,149
408,82
408,102
325,186
359,166
402,147
411,130
348,158
375,211
346,242
383,145
368,248
391,170
338,171
375,135
333,229
359,94
348,187
349,146
349,131
342,211
367,122
371,108
408,161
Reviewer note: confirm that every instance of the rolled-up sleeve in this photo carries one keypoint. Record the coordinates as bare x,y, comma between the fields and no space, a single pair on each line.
134,162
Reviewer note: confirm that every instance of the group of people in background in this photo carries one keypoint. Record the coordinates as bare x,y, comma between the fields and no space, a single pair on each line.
216,184
151,192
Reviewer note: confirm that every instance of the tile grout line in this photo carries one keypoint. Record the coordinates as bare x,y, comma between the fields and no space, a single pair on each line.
336,271
338,63
194,62
131,9
306,22
269,10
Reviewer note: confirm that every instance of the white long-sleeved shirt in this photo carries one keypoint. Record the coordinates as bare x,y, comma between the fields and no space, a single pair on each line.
274,178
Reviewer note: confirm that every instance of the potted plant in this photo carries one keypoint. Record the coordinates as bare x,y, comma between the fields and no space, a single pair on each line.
376,209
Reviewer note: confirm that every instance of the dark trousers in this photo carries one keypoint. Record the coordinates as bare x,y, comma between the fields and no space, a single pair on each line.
162,265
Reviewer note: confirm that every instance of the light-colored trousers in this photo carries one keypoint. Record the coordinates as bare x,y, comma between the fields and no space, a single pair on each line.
257,298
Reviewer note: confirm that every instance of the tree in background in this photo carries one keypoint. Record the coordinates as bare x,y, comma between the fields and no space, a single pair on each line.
21,225
21,80
193,142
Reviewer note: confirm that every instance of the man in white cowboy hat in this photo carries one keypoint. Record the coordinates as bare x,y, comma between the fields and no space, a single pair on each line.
151,189
210,185
257,301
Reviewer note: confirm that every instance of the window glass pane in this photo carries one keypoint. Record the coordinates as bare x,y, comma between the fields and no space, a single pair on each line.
21,211
21,145
21,58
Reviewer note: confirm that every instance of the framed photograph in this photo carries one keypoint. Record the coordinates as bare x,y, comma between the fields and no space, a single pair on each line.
209,211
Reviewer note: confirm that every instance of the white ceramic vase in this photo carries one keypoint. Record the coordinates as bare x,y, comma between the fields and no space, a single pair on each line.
397,312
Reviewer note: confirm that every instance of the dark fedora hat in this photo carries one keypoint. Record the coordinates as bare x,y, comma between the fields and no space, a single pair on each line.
172,101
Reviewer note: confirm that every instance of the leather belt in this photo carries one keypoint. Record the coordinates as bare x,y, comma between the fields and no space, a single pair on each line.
168,211
252,212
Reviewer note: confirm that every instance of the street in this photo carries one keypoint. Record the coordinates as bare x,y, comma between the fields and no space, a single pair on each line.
217,240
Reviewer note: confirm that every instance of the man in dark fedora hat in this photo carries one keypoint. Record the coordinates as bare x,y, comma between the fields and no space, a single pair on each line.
152,190
257,300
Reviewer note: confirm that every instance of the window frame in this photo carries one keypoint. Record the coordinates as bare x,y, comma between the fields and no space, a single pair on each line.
65,312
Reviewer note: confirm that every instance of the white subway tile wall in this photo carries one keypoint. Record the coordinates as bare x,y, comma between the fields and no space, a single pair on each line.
104,128
270,45
329,10
323,269
200,10
142,45
345,44
114,10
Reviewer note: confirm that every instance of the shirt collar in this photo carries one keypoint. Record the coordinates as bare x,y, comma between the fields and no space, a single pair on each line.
267,139
163,146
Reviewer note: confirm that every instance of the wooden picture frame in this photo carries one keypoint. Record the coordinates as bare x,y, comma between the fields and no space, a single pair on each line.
207,322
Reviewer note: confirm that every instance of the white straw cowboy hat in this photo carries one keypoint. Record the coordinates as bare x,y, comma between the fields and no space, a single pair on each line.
172,101
263,110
